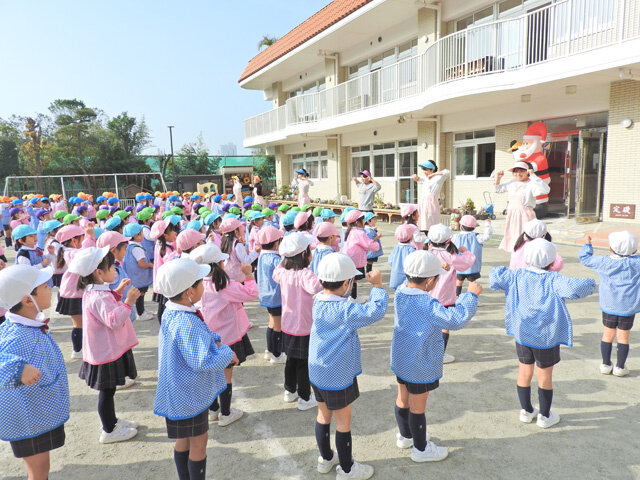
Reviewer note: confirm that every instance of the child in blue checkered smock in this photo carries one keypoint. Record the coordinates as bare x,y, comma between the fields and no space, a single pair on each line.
539,323
619,295
417,348
334,357
404,235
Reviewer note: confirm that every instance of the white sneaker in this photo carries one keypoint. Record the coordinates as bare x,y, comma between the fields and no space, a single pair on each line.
234,414
119,434
526,417
290,397
128,383
278,360
325,466
307,404
76,355
403,442
214,415
550,421
127,423
267,355
358,471
620,372
146,316
432,453
606,369
448,358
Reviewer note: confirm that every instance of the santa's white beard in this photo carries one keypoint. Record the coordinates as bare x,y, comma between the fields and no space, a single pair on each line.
523,154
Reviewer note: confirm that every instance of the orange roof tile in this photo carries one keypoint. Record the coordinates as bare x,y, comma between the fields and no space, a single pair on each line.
312,26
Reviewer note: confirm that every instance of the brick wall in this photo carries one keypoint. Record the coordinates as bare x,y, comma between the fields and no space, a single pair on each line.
622,168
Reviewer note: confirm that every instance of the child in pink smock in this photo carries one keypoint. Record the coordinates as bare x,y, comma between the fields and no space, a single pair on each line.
357,243
164,232
523,189
453,261
223,312
233,245
532,229
298,285
108,336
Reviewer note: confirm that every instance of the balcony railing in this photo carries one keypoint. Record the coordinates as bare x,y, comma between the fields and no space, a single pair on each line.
559,30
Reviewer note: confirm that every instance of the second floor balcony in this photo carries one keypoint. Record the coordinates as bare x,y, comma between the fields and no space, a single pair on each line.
558,31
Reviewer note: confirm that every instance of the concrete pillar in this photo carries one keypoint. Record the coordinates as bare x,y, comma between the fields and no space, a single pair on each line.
427,28
621,174
283,166
331,72
279,97
427,134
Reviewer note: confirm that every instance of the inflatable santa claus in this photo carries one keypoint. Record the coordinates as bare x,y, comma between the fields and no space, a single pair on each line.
531,151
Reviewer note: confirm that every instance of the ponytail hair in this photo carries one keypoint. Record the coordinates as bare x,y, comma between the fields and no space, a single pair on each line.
357,223
163,242
228,242
524,238
60,261
449,246
219,277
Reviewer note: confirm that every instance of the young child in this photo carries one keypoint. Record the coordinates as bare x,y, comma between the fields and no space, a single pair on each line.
191,360
269,239
619,296
139,267
28,252
34,393
473,242
540,324
404,235
357,244
370,229
417,348
522,190
410,216
256,222
326,236
233,245
304,224
51,247
71,238
164,232
288,221
188,239
108,336
298,285
532,229
343,222
223,311
334,358
455,260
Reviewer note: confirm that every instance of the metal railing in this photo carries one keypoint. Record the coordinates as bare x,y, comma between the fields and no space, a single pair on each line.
559,30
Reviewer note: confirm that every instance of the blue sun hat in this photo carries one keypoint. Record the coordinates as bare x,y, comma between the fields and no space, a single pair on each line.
15,202
428,164
174,198
217,198
113,200
195,225
231,215
328,213
344,213
112,223
212,217
132,229
173,219
50,225
369,215
100,199
289,218
248,199
97,231
22,231
255,215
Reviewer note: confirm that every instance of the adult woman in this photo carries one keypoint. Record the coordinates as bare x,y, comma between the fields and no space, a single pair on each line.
428,205
257,190
237,190
522,190
303,183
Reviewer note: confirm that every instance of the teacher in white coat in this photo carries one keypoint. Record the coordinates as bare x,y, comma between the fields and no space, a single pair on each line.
428,205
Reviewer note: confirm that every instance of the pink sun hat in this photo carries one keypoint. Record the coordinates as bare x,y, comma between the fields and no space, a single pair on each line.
269,234
407,209
404,233
301,219
68,232
188,238
326,229
111,239
469,221
353,216
229,225
158,229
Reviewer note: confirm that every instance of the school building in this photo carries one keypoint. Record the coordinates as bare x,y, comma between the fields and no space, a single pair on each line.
384,85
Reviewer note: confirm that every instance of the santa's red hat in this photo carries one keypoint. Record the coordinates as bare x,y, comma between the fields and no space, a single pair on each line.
536,131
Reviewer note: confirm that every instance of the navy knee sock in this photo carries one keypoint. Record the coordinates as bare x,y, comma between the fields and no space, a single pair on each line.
197,469
270,340
354,290
402,417
445,336
76,339
605,349
458,290
545,397
276,339
323,439
344,447
225,400
418,425
524,394
215,406
182,459
623,352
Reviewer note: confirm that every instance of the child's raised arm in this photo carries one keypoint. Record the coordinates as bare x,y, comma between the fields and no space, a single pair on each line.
574,288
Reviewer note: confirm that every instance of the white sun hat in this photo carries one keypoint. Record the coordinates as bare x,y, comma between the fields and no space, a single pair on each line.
293,244
623,243
423,264
439,233
18,281
207,254
535,228
337,267
176,276
87,260
539,253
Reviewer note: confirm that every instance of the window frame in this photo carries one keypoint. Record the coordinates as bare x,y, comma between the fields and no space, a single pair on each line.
472,142
320,158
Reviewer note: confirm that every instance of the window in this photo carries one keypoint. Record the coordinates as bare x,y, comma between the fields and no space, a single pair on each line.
389,57
315,163
312,87
474,153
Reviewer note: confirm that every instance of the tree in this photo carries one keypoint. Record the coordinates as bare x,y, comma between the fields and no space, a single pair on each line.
267,41
193,159
9,164
129,136
35,149
265,167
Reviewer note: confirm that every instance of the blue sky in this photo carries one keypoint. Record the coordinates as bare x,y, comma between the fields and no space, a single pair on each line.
176,63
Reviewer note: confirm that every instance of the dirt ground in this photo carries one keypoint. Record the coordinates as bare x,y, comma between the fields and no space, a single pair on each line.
474,413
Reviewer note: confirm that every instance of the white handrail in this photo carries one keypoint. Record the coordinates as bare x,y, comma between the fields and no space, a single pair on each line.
555,31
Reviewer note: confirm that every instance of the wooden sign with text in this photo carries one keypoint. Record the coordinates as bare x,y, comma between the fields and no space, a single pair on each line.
622,210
